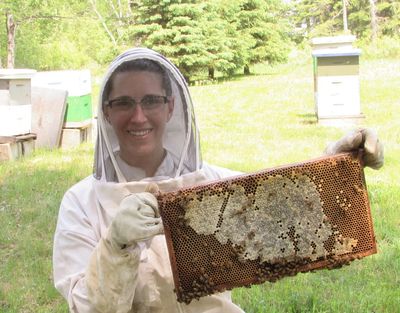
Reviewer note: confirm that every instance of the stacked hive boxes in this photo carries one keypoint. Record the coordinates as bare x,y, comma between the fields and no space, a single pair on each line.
78,117
15,114
15,102
336,79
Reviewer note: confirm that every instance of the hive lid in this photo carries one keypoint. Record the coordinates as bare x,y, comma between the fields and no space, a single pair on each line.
267,225
336,52
16,73
343,39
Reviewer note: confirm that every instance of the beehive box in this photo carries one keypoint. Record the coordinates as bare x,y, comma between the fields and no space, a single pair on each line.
78,85
15,101
336,83
15,86
267,225
15,119
76,82
79,109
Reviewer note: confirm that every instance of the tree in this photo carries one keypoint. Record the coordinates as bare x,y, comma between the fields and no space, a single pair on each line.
374,25
264,27
345,27
48,34
224,49
10,40
388,18
321,17
366,19
115,18
173,28
215,35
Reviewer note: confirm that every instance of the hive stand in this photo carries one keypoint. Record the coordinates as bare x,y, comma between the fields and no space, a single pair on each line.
76,133
14,147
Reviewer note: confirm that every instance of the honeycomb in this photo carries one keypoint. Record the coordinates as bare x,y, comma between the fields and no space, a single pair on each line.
267,225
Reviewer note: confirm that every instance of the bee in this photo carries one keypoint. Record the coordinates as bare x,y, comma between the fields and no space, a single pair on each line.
239,211
357,189
195,260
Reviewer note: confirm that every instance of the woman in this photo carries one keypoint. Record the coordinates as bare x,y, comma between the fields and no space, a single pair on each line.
109,251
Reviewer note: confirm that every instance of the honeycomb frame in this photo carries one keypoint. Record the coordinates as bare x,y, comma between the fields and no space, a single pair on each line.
267,225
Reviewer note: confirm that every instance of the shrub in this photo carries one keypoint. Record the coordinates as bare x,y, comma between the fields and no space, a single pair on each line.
384,47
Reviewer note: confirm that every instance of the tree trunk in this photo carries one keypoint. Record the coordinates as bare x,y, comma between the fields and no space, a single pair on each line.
103,22
211,72
374,24
246,70
10,40
345,27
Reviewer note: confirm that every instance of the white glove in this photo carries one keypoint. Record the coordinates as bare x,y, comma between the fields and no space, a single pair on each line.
363,138
112,273
137,220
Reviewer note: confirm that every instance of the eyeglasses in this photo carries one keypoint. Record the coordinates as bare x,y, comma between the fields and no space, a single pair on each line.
147,103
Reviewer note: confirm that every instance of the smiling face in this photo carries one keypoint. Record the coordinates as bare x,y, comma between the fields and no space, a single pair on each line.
139,131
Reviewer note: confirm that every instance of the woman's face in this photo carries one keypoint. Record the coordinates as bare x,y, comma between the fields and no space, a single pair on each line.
139,128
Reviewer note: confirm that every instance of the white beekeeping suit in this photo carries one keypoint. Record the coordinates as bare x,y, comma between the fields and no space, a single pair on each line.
89,272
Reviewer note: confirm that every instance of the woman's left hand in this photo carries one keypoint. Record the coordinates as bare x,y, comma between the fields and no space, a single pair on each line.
363,138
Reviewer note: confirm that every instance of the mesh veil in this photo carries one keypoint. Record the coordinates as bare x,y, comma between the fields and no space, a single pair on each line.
181,137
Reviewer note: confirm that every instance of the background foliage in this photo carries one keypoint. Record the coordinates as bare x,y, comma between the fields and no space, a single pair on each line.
324,17
247,123
203,37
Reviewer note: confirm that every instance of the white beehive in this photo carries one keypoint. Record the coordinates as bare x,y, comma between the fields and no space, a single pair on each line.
76,82
336,79
15,101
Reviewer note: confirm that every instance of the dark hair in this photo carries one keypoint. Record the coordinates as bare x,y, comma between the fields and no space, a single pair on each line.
139,65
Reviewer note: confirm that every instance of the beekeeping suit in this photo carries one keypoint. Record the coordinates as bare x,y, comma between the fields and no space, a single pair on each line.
89,270
95,274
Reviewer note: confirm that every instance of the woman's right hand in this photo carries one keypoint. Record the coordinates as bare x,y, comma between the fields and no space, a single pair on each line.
137,220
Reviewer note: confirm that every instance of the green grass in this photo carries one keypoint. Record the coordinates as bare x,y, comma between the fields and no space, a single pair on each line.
30,193
247,123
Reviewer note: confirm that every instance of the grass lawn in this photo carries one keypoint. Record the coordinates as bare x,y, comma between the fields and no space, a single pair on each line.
247,123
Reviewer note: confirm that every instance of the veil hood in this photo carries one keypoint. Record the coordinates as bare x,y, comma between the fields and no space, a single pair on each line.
181,137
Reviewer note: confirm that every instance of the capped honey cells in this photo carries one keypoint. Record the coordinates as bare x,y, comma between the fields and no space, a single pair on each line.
267,225
290,209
